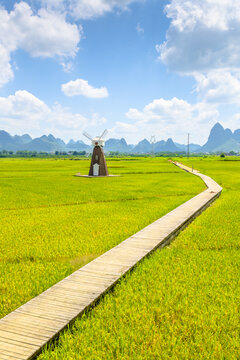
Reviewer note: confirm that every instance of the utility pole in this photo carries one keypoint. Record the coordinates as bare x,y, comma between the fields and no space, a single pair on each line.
188,146
152,141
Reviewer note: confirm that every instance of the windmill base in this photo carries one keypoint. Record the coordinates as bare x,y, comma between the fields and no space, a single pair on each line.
101,176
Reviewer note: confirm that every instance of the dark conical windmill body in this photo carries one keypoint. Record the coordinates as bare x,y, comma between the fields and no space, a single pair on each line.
98,165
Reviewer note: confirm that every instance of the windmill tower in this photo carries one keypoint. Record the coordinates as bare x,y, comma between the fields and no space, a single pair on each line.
98,165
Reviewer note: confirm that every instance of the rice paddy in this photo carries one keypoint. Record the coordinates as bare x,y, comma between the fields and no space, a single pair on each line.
52,222
180,303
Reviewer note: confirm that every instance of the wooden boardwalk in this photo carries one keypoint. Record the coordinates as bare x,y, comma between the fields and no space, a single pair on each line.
25,331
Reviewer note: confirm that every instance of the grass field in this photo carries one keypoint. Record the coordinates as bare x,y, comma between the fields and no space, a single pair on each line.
52,222
180,303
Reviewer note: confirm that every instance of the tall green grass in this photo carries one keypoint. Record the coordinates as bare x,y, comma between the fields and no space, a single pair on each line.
52,222
180,303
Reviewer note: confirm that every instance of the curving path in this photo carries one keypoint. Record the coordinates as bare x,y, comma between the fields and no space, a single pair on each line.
25,331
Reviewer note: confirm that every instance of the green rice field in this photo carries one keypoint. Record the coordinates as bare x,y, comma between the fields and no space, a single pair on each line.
182,302
53,222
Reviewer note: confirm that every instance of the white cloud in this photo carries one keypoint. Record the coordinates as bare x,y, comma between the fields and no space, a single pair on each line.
24,112
54,5
169,118
67,66
86,9
6,73
219,86
44,34
203,41
232,122
82,87
131,132
203,35
47,34
97,120
22,103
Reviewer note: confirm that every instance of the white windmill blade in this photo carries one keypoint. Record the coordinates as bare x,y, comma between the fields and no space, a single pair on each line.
87,135
104,134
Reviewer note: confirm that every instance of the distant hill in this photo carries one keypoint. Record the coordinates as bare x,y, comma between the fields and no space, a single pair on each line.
13,143
117,145
236,135
44,144
25,142
142,147
24,139
192,147
166,146
77,146
229,145
221,139
145,146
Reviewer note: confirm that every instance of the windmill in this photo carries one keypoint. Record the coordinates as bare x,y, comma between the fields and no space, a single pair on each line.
98,165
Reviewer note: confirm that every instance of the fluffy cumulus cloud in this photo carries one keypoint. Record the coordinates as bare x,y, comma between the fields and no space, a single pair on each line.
163,118
46,32
203,41
203,35
21,103
24,112
82,87
42,34
219,86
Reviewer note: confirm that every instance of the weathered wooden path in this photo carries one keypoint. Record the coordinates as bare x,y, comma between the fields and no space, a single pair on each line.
25,331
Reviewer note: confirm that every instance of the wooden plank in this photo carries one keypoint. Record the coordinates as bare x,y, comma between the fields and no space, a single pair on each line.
31,320
16,348
25,331
44,315
79,297
11,354
27,340
7,357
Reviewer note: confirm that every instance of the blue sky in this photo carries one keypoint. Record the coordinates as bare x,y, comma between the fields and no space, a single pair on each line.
136,67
